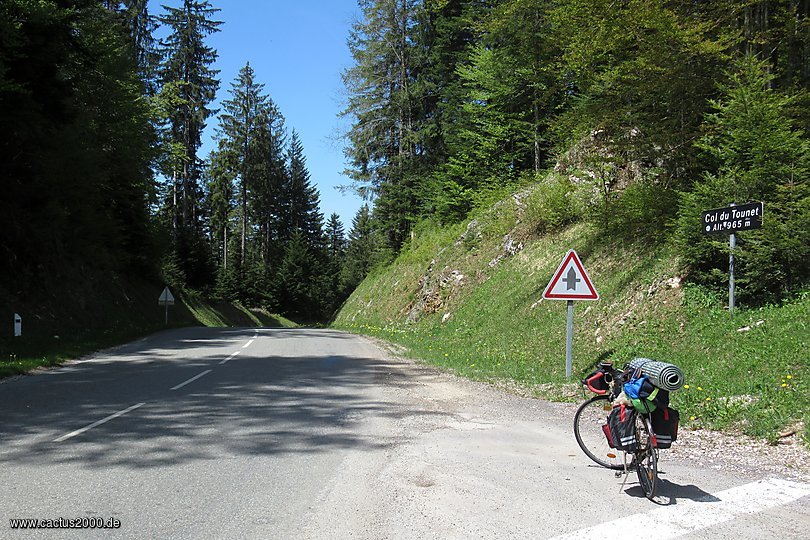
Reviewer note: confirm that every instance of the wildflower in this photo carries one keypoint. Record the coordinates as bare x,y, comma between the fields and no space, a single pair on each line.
686,386
790,376
693,418
784,385
700,389
708,399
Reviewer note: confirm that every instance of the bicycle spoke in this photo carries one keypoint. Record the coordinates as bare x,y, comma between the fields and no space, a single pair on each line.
588,422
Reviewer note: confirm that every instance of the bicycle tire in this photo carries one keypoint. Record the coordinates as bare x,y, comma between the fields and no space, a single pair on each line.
588,422
646,458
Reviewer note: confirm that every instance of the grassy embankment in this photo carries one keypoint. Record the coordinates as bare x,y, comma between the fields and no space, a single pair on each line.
65,320
468,298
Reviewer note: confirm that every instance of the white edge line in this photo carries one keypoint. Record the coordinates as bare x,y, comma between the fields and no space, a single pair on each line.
231,357
96,424
248,344
191,380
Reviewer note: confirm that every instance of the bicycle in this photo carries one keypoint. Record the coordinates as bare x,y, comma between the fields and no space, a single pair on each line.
589,432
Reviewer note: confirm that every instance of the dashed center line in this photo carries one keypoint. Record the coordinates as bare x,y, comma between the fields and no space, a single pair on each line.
191,380
96,424
176,387
231,357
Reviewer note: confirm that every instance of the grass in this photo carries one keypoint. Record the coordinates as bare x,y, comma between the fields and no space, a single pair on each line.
745,374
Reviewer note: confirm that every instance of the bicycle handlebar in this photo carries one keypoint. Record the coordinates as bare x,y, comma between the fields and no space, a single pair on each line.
590,386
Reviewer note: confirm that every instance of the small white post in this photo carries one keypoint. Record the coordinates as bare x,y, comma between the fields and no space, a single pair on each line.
17,325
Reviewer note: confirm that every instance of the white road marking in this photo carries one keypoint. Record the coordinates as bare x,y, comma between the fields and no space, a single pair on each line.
191,380
231,357
96,424
248,344
690,516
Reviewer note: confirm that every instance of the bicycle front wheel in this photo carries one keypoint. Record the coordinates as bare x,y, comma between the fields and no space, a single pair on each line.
646,457
588,422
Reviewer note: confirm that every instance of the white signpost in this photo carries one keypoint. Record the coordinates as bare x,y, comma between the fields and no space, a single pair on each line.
17,325
570,282
166,299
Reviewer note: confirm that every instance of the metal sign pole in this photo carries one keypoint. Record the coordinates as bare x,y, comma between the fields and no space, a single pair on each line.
569,341
167,313
732,243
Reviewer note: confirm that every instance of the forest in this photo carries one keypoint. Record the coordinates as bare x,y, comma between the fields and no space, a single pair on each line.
646,112
636,115
101,166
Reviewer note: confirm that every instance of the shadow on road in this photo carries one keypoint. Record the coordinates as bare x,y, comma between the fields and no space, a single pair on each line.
669,493
254,405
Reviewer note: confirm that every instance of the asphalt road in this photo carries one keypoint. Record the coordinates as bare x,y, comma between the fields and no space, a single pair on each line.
295,433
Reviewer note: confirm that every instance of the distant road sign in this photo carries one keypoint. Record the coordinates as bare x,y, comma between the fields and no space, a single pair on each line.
731,219
571,281
166,298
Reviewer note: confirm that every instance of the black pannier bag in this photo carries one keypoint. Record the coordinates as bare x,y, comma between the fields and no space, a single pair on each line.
621,426
664,422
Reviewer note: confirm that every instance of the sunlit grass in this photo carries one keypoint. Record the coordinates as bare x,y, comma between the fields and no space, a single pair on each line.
744,373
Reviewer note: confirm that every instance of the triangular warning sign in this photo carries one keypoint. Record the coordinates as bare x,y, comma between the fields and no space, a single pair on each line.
571,281
166,297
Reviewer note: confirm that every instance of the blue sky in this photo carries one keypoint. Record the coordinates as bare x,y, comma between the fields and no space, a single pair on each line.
298,50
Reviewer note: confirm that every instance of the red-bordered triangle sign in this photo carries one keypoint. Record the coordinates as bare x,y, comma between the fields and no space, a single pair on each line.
571,281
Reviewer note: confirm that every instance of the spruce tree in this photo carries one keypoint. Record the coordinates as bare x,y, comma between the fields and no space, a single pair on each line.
760,156
360,251
335,238
303,204
190,85
239,133
381,103
334,292
300,281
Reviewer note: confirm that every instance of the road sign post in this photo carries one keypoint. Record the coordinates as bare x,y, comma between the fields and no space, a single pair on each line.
166,299
729,220
570,282
17,325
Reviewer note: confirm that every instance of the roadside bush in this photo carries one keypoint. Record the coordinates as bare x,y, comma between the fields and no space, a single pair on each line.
644,210
553,204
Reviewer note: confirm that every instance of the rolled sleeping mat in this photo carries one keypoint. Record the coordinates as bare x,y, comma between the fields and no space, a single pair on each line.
661,374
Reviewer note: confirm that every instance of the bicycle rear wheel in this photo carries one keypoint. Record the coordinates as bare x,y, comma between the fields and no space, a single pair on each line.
588,422
646,457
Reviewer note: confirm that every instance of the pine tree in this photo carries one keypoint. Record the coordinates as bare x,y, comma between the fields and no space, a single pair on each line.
760,157
240,127
361,250
76,143
221,173
300,280
335,238
303,204
334,293
381,140
267,204
139,26
186,75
